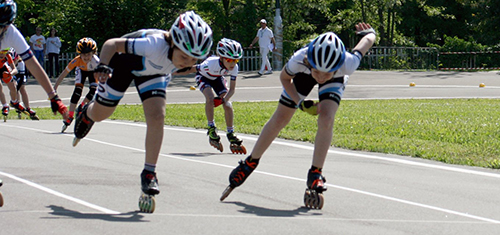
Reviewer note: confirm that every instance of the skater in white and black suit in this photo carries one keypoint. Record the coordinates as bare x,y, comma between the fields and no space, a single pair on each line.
147,57
325,62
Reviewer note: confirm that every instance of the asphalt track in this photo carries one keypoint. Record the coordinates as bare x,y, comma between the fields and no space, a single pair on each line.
51,187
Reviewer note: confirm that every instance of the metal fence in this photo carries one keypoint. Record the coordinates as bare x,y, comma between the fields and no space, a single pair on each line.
383,58
406,58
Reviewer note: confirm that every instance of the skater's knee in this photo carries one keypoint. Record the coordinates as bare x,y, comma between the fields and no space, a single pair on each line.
77,93
91,93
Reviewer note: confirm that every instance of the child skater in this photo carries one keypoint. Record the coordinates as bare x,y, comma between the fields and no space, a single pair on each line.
10,37
147,57
211,78
84,64
325,62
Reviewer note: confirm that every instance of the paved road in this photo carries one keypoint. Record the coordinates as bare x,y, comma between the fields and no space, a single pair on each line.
51,187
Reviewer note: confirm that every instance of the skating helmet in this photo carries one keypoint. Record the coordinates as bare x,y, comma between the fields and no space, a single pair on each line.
8,12
326,53
86,45
192,35
229,48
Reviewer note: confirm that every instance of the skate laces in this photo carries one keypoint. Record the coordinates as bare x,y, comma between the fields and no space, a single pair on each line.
315,179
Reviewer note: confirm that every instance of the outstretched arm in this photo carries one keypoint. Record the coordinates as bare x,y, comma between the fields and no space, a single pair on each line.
368,34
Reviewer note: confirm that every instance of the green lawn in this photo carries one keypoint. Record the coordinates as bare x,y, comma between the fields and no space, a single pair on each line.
455,131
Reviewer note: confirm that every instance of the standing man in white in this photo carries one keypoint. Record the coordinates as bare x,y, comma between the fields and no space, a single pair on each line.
266,43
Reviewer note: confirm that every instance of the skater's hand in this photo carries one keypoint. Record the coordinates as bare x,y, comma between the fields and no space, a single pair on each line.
309,107
102,73
218,101
57,106
363,29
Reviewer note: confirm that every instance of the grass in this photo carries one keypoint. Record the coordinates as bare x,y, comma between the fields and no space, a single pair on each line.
454,131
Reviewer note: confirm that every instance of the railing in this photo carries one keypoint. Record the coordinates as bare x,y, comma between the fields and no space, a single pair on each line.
383,58
407,58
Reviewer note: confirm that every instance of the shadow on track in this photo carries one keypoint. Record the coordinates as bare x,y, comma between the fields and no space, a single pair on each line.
59,211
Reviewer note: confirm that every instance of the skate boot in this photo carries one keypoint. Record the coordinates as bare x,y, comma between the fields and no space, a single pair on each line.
83,124
236,146
32,114
66,123
5,113
214,139
149,186
79,109
239,175
313,197
19,108
1,198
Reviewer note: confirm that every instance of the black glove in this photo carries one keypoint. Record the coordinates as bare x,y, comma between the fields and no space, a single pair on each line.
57,106
102,68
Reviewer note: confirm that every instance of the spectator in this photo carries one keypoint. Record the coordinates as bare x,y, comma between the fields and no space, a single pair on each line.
53,49
37,43
266,43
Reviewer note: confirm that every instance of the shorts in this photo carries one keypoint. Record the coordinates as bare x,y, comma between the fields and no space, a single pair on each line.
112,91
219,85
333,89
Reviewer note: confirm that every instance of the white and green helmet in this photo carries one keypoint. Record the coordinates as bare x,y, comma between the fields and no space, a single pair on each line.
192,35
229,48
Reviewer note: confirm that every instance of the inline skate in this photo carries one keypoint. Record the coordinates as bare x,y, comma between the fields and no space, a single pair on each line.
5,113
83,125
19,108
32,114
214,139
66,124
236,144
239,175
149,186
313,197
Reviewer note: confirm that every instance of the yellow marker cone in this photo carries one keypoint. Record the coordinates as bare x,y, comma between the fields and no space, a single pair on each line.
192,88
482,85
412,84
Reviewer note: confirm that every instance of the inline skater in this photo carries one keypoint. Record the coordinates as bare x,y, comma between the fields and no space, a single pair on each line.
10,37
210,78
325,62
84,64
20,78
147,57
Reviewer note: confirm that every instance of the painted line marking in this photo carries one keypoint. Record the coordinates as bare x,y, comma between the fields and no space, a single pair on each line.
289,177
58,194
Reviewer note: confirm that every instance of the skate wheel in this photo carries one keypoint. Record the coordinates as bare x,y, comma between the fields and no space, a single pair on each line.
226,193
217,145
147,203
235,149
313,199
1,200
76,141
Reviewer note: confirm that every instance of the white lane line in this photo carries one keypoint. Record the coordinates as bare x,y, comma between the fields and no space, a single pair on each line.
352,154
298,179
58,194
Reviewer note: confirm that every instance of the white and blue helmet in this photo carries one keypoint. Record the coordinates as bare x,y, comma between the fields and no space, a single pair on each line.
326,53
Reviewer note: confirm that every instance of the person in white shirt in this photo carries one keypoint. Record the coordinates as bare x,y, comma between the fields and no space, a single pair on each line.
326,63
53,50
266,43
37,43
11,37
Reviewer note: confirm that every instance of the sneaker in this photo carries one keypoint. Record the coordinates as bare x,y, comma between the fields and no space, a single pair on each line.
268,72
260,74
